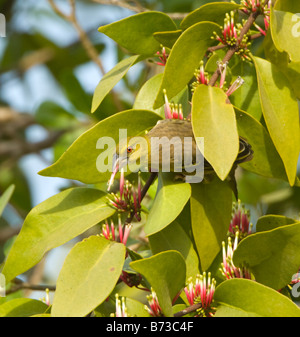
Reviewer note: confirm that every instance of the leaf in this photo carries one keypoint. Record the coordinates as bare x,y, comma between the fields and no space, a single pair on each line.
211,205
89,274
22,307
247,96
4,199
285,30
135,33
53,116
173,237
281,114
185,56
272,256
168,203
167,39
110,79
266,160
159,270
214,119
54,222
287,6
270,221
82,159
214,12
243,297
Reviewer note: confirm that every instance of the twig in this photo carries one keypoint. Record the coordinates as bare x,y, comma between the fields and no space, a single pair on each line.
188,310
232,50
20,285
138,8
143,193
222,46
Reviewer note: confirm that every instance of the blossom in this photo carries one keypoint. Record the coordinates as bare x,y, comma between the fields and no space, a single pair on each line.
202,291
240,221
172,111
229,270
121,310
163,56
251,6
155,309
109,232
128,199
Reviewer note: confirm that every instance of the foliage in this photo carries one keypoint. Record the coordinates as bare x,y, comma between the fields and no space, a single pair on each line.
191,245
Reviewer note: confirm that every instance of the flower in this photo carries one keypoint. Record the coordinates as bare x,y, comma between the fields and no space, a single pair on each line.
240,221
172,111
229,270
163,56
155,309
202,291
251,6
121,310
128,200
109,232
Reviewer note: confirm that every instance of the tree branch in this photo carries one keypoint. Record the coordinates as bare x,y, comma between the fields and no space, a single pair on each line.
232,50
188,310
20,285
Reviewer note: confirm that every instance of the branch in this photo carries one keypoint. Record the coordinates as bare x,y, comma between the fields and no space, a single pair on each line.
143,193
86,42
20,285
231,51
188,310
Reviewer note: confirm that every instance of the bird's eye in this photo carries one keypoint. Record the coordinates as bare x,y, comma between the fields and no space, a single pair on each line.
129,149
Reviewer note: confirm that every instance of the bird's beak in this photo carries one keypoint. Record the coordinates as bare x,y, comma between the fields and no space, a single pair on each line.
118,163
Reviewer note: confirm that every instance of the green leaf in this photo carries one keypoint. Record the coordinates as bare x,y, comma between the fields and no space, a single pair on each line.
266,160
243,297
22,307
54,222
173,237
285,30
271,221
167,39
272,256
80,160
89,274
146,95
53,116
214,119
281,114
184,58
160,271
287,6
211,205
168,203
281,59
214,12
135,33
110,79
247,96
4,199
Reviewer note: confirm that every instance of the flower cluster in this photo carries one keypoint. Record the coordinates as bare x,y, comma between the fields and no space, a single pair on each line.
109,232
128,199
251,6
155,309
172,111
231,35
228,269
202,78
240,221
163,56
202,291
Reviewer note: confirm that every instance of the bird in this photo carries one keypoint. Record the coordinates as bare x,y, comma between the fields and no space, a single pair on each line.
148,151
